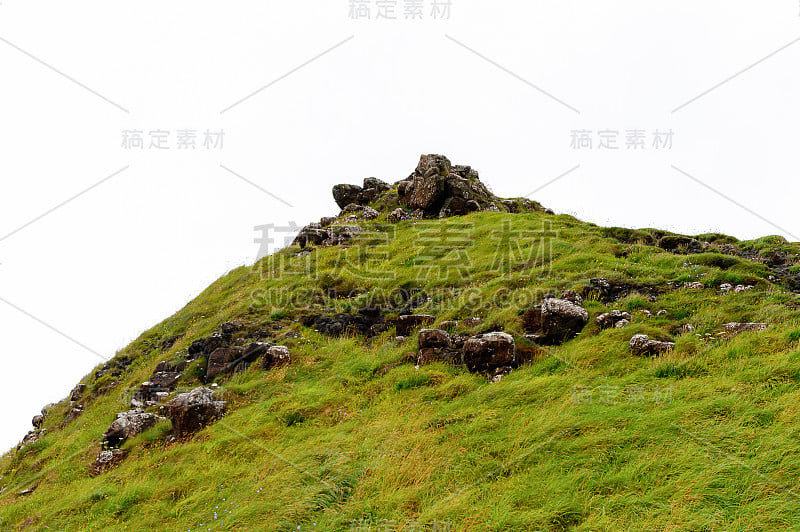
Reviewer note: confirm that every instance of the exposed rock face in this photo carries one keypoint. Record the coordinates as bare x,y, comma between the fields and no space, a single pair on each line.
107,460
555,320
368,322
606,291
161,383
488,351
736,328
435,345
37,421
611,319
31,438
682,244
407,323
346,194
207,345
127,425
224,360
254,350
397,215
276,356
643,345
77,392
438,189
433,338
191,411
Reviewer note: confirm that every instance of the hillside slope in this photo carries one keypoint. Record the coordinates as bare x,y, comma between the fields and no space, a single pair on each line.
522,405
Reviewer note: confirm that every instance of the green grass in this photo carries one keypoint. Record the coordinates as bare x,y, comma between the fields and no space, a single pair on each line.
584,437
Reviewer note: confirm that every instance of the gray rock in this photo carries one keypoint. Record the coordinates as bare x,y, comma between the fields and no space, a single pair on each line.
276,356
608,320
488,351
346,194
191,411
737,328
127,425
643,345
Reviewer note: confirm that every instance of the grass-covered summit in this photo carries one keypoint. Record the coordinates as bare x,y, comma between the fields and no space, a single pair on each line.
324,418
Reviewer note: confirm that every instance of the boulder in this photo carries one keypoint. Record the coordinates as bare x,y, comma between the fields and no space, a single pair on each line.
573,297
345,324
643,345
107,460
369,213
338,235
682,244
557,320
127,425
406,324
191,411
311,235
607,291
736,328
610,319
433,338
77,392
275,356
373,187
224,360
31,438
346,194
37,421
254,350
621,324
488,351
206,346
397,215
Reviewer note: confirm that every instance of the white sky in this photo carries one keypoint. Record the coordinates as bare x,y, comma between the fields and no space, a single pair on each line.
131,251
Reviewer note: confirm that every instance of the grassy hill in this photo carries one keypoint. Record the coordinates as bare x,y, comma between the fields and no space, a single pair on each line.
353,435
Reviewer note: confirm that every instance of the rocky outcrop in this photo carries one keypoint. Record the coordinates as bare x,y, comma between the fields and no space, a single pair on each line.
276,356
367,322
682,244
737,328
107,460
488,351
224,360
161,383
643,345
555,321
127,425
77,392
191,411
436,345
438,189
607,291
333,235
31,438
206,346
344,195
608,320
398,215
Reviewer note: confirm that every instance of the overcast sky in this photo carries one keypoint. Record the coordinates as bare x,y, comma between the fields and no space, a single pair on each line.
531,93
